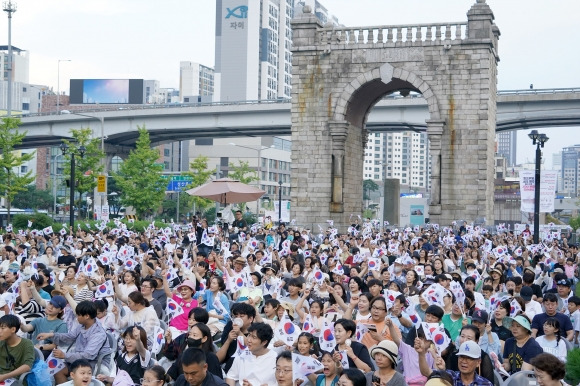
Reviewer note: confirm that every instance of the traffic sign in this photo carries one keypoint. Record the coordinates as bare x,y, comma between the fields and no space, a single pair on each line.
177,186
101,183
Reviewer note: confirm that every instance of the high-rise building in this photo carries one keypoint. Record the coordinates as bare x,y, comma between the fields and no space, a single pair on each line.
253,58
507,145
557,166
196,82
570,170
403,155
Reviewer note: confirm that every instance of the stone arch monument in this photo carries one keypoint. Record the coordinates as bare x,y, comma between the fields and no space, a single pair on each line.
338,75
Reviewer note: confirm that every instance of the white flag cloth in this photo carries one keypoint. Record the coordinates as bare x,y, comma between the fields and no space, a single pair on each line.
318,276
456,289
238,282
48,230
157,343
105,290
8,381
327,340
344,359
307,326
173,309
435,294
390,297
130,264
303,366
286,331
54,364
242,350
218,306
361,329
374,264
413,315
515,308
440,338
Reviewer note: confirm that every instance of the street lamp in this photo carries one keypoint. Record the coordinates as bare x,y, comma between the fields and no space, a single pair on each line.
81,152
55,180
102,198
9,8
538,140
58,84
259,150
280,202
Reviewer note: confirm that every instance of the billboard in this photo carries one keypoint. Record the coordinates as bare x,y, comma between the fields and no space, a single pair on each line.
106,91
548,181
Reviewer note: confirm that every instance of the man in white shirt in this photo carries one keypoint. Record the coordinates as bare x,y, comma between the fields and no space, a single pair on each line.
532,307
257,367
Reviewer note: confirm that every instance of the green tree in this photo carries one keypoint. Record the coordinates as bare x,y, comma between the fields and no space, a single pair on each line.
89,165
33,198
140,178
368,187
575,223
243,173
201,174
10,182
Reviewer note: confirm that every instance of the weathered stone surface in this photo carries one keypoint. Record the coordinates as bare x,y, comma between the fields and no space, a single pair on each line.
338,76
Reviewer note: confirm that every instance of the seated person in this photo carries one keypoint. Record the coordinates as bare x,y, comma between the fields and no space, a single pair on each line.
17,354
195,370
172,349
50,323
80,373
246,313
89,338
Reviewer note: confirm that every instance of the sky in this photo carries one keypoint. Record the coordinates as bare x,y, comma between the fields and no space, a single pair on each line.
147,39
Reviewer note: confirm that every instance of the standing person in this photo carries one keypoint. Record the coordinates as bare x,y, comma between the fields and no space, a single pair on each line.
195,370
469,358
522,348
255,369
552,341
551,311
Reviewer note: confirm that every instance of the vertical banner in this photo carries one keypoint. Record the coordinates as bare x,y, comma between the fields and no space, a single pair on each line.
547,190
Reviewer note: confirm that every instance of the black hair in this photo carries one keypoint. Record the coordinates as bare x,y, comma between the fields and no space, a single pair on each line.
574,299
313,342
553,322
550,297
138,298
348,325
79,363
550,364
285,355
129,332
472,328
200,315
295,282
101,304
86,307
10,321
373,282
257,275
152,282
207,346
193,356
273,302
436,311
356,376
263,331
361,285
221,283
529,277
159,373
243,309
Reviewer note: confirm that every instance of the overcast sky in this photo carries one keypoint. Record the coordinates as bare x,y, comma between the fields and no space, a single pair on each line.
147,39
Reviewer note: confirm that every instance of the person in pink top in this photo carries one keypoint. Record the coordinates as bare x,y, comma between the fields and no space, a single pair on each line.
182,295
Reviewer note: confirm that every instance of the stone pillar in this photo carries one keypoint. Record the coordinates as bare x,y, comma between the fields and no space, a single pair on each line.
434,133
480,22
338,133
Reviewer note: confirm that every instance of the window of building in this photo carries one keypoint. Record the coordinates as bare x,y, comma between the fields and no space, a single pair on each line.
166,152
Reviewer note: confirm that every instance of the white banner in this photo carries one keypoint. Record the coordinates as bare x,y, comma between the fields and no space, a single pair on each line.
547,190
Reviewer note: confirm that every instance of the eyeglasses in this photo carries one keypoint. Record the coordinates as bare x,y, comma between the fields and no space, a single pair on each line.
145,286
282,371
378,309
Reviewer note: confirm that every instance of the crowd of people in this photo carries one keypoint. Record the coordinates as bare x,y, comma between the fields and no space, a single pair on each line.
254,305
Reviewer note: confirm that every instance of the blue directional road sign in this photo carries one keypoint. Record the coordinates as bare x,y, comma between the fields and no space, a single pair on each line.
178,183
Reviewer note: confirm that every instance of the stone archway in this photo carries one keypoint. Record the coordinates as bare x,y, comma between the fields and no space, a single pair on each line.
340,73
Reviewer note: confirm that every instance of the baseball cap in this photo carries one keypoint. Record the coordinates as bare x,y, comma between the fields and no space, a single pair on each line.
564,282
480,316
526,293
469,349
58,301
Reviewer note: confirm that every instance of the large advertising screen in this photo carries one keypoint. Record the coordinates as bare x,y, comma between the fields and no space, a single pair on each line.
106,91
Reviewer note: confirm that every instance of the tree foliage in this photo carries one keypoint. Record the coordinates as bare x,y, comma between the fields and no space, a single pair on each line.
243,173
201,174
33,198
140,179
12,182
368,187
575,222
89,165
